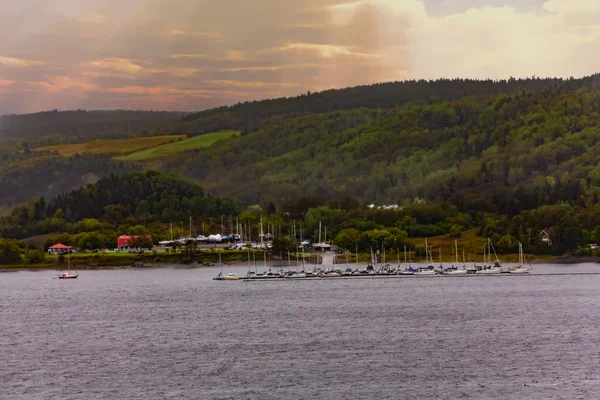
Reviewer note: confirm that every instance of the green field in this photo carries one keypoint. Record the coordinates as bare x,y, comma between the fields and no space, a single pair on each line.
115,146
170,149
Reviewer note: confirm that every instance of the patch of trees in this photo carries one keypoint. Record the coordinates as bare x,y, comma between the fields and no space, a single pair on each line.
115,203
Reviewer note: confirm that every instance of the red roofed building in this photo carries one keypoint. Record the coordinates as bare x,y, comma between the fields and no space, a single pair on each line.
127,243
60,249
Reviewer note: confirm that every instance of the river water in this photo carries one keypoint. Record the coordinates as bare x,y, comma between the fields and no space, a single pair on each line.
177,334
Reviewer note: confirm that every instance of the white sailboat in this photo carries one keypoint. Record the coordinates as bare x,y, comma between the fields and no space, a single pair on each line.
232,276
489,269
455,270
429,270
519,269
405,270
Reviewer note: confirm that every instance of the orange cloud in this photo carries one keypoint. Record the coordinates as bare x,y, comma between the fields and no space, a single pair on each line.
117,64
179,32
19,62
322,50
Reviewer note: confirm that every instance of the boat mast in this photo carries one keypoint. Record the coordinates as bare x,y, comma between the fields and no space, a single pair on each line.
456,251
265,258
319,232
220,264
261,233
249,259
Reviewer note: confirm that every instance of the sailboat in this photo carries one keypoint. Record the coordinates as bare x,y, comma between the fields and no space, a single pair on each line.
229,277
430,270
405,271
68,274
496,268
455,270
519,269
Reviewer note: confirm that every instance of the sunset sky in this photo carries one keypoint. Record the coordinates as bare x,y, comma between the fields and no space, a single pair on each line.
194,54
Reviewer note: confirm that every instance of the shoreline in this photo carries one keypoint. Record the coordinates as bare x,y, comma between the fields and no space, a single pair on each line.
209,260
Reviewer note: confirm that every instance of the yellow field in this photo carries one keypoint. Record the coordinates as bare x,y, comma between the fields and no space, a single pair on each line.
116,146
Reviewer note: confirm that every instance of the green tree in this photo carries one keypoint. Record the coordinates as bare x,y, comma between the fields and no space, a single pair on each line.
35,256
347,238
10,253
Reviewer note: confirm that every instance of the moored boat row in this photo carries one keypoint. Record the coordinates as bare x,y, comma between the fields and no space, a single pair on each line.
372,269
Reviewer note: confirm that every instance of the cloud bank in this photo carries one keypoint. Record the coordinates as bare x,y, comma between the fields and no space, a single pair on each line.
194,54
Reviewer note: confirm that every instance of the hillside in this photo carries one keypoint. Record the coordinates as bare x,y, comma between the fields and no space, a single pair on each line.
115,204
55,127
508,165
250,116
25,175
180,146
499,154
110,146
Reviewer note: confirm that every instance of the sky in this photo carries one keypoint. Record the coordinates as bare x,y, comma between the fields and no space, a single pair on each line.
197,54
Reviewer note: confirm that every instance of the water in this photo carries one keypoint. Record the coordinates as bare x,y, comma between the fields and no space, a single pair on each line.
176,334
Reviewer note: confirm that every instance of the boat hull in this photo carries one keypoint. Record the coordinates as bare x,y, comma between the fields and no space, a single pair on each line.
489,271
68,276
456,272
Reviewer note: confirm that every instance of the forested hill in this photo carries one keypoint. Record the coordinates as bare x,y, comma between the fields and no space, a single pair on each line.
503,153
248,115
52,127
118,200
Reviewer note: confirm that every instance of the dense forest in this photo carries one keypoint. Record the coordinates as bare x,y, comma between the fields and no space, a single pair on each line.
502,154
118,204
24,175
53,127
251,115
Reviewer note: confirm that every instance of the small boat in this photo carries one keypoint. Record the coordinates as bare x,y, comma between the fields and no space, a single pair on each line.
430,270
296,275
68,274
404,271
491,269
232,276
229,277
519,269
425,271
455,270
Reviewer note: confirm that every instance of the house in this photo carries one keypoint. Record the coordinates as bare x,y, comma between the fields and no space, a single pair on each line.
127,243
60,249
545,237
